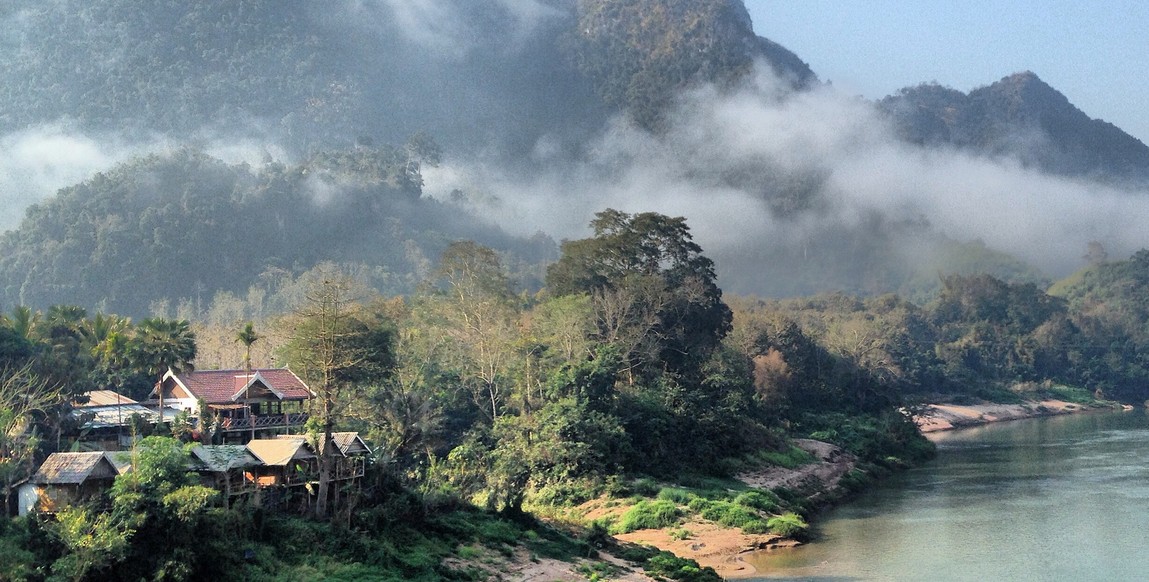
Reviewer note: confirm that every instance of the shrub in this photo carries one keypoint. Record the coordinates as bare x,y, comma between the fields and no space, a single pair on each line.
760,500
699,504
729,514
758,526
645,487
667,565
676,495
648,515
855,480
680,534
790,525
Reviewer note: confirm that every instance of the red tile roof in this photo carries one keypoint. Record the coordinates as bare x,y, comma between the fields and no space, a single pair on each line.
220,386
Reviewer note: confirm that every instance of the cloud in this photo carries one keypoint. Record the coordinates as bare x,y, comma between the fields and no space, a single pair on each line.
36,162
757,171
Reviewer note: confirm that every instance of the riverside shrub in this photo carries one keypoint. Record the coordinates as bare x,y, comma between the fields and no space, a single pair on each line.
789,525
648,515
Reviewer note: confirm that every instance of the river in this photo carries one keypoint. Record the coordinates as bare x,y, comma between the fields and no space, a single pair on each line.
1057,498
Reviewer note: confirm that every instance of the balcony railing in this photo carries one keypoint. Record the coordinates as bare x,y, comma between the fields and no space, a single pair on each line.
293,419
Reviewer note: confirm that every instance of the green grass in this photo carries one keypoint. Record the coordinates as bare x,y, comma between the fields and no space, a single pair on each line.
1074,394
648,515
674,494
791,458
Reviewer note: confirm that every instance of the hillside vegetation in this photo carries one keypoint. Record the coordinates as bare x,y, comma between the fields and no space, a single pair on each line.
186,226
1022,117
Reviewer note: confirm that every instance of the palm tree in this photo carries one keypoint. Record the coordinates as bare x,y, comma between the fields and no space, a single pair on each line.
25,322
162,344
247,336
106,337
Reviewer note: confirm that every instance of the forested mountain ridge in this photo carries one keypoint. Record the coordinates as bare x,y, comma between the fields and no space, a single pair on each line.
528,88
639,53
187,225
1022,117
310,75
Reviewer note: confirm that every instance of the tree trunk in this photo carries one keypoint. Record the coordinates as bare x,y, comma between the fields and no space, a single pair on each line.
325,459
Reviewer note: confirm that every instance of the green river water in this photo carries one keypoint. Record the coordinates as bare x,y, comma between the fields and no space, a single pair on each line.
1060,498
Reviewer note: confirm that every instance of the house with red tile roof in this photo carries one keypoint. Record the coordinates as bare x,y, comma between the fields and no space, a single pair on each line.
239,404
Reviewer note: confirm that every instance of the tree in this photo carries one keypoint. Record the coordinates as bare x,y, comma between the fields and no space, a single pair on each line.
247,337
108,339
655,293
95,542
162,344
1095,253
24,395
25,322
476,311
336,345
150,533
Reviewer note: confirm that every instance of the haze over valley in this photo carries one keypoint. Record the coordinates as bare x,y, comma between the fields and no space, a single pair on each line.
537,114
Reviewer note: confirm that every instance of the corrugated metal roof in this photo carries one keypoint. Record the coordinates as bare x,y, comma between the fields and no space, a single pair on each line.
110,416
220,458
74,468
105,398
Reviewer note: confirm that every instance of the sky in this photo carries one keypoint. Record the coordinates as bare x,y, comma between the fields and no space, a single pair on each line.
1092,52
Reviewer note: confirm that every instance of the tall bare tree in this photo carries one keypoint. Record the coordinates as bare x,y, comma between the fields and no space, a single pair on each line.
478,314
335,346
23,395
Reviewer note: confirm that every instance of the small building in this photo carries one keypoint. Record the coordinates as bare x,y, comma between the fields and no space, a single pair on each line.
350,452
104,420
288,462
241,405
225,468
67,478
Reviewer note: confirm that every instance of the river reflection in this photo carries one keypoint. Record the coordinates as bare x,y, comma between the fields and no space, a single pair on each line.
1061,498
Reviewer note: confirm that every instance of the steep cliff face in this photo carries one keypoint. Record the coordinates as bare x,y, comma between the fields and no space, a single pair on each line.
638,53
1023,117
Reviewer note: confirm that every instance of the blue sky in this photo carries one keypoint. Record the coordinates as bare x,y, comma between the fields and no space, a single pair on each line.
1095,53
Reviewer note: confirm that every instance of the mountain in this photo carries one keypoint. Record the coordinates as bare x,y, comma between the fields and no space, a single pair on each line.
491,76
1022,117
186,226
322,83
639,53
561,104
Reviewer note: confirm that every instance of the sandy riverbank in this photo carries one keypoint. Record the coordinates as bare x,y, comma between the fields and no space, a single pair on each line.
722,547
937,417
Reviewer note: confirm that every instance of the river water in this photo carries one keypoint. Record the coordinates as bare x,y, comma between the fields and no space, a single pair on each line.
1059,498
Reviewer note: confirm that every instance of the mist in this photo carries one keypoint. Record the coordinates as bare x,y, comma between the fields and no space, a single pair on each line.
790,192
37,162
767,177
